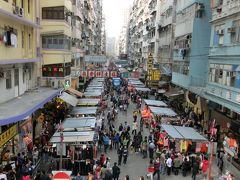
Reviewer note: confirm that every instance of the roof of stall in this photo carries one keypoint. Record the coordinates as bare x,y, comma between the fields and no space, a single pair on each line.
162,111
180,132
88,101
72,137
84,110
144,89
70,124
155,103
92,93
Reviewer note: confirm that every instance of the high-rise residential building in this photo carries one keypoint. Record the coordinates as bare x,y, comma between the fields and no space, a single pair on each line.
223,84
56,36
103,39
19,47
111,46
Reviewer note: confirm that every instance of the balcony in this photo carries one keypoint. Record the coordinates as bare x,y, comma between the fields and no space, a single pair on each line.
225,50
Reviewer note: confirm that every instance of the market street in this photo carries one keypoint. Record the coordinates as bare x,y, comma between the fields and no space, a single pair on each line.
137,166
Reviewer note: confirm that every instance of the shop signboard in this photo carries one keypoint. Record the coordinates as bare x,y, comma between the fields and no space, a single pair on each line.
67,83
125,74
150,66
156,75
98,74
91,74
8,134
84,73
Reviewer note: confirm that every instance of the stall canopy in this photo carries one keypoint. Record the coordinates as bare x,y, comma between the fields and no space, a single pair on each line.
180,132
143,89
73,124
88,102
92,93
75,92
174,94
84,110
72,137
190,133
69,99
155,103
162,111
172,131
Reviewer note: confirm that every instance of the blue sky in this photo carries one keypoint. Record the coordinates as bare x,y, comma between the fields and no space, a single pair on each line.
113,10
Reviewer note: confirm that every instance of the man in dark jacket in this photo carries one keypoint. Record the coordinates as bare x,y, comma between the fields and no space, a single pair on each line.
195,169
120,153
115,171
108,175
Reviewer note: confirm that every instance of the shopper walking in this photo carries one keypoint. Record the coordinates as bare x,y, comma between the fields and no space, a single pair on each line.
120,154
125,154
169,165
115,171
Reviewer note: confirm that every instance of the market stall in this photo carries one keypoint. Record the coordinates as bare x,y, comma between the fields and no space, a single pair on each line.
155,103
92,94
183,139
79,124
142,89
84,111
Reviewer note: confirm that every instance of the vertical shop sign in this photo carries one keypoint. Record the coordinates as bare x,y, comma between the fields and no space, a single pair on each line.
106,73
113,74
8,134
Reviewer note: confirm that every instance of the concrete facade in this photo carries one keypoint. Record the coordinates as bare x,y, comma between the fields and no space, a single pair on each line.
20,53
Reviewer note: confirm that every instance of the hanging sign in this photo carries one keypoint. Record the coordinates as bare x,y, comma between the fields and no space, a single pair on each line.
91,74
106,73
84,73
113,74
98,74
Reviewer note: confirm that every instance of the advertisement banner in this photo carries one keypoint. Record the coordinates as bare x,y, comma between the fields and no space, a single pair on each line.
98,74
91,74
8,134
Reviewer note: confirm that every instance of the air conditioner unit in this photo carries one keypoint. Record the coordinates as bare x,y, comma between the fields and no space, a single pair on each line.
21,12
232,30
55,83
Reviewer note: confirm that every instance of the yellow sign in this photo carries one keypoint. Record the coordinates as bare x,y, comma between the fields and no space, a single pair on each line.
8,134
156,75
150,62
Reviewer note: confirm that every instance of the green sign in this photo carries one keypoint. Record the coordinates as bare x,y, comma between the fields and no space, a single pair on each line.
67,83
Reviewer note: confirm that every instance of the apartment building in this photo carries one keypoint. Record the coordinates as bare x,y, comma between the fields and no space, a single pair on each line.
56,37
19,47
223,85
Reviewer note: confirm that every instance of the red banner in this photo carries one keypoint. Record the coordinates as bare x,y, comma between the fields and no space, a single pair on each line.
98,73
91,74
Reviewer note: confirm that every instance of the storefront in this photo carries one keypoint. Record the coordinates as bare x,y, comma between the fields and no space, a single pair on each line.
8,143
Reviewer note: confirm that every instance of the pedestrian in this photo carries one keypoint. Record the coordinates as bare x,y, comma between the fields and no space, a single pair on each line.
120,154
108,175
163,162
144,147
125,154
116,140
90,176
204,167
221,165
195,170
115,171
156,168
169,165
127,177
150,170
35,156
176,164
3,176
134,127
141,178
106,141
151,148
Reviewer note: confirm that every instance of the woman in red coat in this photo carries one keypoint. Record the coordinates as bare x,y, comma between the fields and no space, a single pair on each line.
205,167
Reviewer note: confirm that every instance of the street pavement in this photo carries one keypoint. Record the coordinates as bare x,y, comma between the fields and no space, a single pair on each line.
136,166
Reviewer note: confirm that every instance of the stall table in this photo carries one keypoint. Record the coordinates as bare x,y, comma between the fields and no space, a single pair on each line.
155,103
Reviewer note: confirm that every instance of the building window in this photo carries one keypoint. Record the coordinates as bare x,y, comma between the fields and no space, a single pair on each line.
8,80
30,73
22,39
235,32
24,75
56,42
16,77
53,12
29,41
29,6
22,4
218,38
